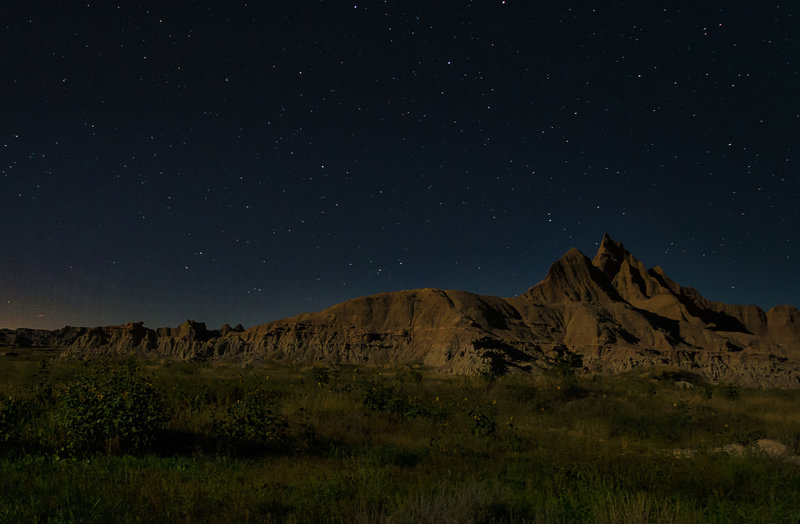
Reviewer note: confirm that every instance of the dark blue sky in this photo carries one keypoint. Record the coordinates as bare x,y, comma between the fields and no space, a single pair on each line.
236,162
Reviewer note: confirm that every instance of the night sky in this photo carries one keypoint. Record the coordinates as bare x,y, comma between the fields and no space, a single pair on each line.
247,161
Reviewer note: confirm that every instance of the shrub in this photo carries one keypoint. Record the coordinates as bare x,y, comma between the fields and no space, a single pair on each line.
255,419
482,420
112,409
708,393
731,391
42,385
562,366
322,375
791,438
410,373
681,415
12,418
326,375
379,397
682,375
560,371
495,367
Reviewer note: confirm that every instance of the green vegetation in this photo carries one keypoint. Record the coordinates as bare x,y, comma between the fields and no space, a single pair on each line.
109,408
125,442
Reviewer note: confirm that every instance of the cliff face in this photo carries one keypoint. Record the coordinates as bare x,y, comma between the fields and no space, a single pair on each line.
611,309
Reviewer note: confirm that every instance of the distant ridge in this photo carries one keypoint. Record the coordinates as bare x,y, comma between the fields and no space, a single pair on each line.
611,309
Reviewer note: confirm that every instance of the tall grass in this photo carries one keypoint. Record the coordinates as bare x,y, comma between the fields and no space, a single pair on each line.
402,445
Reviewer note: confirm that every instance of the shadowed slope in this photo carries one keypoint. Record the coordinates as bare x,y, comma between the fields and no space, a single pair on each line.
703,323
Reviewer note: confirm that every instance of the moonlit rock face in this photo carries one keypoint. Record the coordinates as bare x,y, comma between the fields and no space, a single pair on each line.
612,310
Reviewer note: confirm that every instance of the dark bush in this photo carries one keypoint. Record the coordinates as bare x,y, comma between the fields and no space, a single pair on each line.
12,419
560,371
326,374
731,391
113,409
256,419
410,373
562,366
482,420
380,397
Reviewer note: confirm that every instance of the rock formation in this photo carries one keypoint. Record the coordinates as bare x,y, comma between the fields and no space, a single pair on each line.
612,310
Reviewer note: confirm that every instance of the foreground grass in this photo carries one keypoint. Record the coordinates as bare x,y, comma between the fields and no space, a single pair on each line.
405,445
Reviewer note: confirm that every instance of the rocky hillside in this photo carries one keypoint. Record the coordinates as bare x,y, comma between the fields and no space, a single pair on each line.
611,309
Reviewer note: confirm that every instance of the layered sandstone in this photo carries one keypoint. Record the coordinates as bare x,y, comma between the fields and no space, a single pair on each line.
615,312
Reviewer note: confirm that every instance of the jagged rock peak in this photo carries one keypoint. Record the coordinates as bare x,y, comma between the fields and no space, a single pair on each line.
572,278
634,282
610,256
226,329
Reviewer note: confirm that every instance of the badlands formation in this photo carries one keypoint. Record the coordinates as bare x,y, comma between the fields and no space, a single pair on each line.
614,312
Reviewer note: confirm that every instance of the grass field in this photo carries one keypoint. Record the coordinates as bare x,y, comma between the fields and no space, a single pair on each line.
125,442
